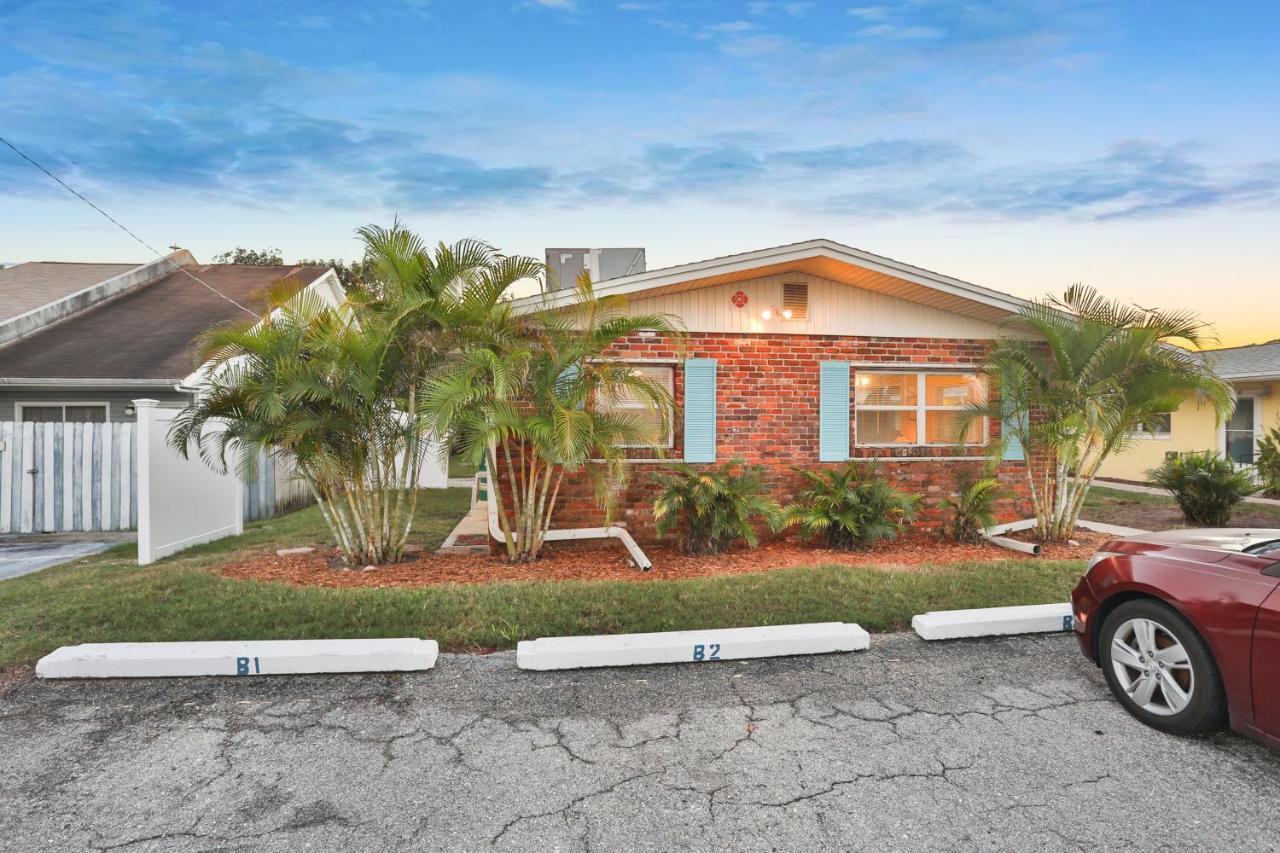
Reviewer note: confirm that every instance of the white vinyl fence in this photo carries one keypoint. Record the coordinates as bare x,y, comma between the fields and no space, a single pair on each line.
71,477
181,500
58,477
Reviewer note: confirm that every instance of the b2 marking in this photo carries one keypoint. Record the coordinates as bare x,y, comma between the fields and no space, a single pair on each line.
702,653
242,666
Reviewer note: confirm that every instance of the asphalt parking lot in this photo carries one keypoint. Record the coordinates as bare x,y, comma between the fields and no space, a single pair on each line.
1009,744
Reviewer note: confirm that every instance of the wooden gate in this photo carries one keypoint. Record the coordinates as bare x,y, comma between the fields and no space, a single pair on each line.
58,477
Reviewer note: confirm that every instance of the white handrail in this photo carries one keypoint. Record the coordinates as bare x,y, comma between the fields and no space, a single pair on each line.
611,532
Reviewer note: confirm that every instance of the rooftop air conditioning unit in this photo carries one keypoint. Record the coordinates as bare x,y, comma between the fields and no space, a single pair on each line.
565,265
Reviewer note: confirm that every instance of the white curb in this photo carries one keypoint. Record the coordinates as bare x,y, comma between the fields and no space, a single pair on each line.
993,621
690,646
240,657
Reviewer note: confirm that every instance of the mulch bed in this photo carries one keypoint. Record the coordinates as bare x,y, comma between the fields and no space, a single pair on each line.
608,561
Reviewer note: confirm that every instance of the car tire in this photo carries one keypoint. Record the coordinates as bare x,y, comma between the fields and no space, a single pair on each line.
1183,698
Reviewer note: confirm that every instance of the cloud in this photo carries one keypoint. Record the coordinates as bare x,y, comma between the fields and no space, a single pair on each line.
815,126
1134,180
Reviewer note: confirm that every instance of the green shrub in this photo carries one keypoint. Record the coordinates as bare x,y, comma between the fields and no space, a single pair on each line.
972,508
713,507
851,507
1268,461
1205,485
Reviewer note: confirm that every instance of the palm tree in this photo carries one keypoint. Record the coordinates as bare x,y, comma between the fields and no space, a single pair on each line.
1093,374
528,392
339,391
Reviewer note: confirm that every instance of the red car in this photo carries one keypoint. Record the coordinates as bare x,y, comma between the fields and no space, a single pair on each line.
1186,627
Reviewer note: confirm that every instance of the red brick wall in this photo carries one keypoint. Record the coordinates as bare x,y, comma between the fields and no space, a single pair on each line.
767,413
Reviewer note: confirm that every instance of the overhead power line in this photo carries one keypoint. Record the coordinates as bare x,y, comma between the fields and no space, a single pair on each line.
122,227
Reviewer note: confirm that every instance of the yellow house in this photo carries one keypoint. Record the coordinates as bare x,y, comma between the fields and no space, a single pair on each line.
1254,370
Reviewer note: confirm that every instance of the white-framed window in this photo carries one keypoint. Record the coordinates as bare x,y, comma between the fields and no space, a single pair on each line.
56,413
1162,428
898,408
662,373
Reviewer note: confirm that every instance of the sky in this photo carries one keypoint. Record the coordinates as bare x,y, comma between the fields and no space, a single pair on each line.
1021,144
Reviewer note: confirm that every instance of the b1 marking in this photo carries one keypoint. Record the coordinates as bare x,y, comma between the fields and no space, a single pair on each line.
1068,622
700,652
242,666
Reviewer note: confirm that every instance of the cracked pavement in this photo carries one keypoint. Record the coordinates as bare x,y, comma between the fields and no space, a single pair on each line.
1002,744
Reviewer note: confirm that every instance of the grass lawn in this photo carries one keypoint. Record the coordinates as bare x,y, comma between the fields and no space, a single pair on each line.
108,598
458,467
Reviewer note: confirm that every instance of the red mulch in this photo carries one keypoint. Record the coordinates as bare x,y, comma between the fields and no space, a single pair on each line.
608,561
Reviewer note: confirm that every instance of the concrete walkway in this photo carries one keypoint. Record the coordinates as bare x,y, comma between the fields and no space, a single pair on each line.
1152,490
21,555
471,534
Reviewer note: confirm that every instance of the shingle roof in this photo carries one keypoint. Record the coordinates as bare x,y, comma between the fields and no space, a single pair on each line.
146,332
1254,360
25,287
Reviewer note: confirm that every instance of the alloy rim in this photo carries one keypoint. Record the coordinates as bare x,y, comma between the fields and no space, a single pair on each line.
1152,667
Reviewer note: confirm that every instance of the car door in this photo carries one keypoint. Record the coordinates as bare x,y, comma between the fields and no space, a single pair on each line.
1265,662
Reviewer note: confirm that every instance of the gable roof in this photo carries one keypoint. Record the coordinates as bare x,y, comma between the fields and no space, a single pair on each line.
25,287
822,257
1255,361
145,333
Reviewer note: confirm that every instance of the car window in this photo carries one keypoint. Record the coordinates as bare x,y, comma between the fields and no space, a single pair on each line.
1272,547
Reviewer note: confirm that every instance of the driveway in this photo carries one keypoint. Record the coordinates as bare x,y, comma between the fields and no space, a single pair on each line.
20,555
1001,745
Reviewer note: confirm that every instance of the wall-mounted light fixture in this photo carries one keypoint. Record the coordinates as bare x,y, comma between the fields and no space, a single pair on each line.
768,313
129,410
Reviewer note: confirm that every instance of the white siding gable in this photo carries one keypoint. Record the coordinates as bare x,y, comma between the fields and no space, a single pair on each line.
834,309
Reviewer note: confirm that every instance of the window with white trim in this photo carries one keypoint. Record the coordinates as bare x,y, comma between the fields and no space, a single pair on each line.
662,374
56,413
916,408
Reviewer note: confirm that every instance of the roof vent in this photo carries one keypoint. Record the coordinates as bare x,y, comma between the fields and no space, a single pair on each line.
795,298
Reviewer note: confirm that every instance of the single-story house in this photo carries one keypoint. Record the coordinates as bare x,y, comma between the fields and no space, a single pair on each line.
809,354
80,342
1254,372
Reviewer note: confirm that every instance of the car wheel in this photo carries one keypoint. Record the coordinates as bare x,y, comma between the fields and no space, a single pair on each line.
1161,669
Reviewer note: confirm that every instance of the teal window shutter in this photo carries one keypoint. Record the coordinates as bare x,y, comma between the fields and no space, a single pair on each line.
833,411
1010,425
700,410
566,380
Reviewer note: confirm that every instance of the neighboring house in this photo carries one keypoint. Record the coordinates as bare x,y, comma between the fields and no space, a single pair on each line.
80,342
808,355
1254,372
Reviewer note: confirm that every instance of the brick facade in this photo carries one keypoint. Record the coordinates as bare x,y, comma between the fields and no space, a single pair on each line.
767,413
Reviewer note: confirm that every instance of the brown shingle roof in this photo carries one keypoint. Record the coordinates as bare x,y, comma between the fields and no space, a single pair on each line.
145,333
25,287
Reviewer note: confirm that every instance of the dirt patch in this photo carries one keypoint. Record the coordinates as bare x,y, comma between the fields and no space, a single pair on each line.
13,676
608,561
